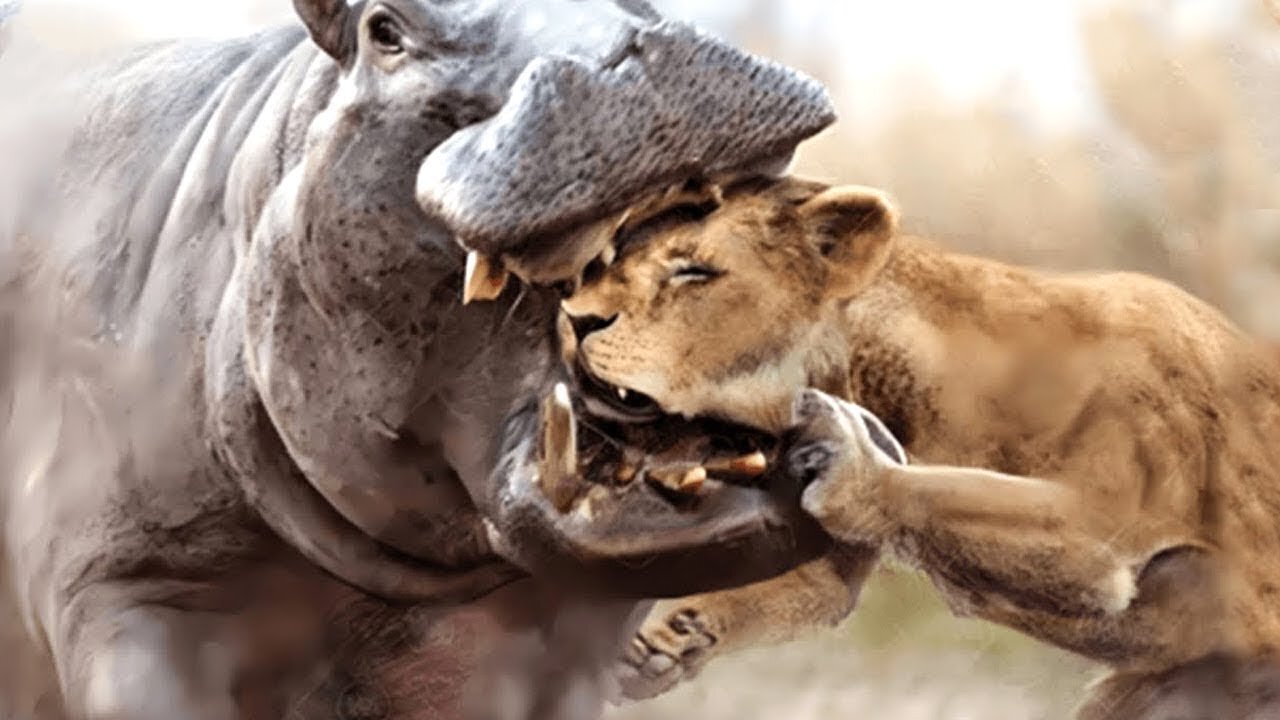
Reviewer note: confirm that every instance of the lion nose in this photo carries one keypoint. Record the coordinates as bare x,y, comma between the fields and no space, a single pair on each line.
584,325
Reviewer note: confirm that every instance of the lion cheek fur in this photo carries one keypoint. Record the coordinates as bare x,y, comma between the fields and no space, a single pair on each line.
759,395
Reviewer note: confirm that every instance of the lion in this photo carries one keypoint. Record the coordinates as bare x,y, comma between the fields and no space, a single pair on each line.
1094,458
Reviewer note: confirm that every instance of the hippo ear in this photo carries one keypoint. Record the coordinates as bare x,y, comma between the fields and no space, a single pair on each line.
331,24
851,227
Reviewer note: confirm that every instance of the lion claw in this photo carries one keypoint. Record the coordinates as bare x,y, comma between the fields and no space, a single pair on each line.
664,652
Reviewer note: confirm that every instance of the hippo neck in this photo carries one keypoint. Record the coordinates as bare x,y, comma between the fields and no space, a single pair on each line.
292,95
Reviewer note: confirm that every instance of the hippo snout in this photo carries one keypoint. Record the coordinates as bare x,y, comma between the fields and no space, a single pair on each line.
580,138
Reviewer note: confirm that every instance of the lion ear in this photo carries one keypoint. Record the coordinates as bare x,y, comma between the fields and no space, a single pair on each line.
332,26
851,227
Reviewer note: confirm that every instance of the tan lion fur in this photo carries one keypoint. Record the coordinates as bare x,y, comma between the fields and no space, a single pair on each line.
1095,458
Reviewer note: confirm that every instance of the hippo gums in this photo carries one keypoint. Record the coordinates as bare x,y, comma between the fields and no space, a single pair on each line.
258,458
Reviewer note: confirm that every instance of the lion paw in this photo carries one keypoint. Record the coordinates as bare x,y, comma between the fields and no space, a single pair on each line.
668,648
841,455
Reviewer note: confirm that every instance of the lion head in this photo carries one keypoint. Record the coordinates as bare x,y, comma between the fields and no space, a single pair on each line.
726,306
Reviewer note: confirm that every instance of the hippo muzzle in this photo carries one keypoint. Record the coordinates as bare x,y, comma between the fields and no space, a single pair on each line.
537,191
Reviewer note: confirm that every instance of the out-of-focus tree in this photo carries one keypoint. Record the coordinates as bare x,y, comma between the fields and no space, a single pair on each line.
1191,103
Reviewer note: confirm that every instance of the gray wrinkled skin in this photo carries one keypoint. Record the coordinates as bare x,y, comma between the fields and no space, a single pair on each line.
497,184
250,438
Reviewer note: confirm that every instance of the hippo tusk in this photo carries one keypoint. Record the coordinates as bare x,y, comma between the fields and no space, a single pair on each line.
559,468
485,278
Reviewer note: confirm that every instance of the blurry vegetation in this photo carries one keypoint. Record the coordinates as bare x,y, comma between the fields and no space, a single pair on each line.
1180,177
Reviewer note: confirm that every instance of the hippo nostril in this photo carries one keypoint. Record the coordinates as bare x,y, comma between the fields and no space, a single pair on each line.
586,324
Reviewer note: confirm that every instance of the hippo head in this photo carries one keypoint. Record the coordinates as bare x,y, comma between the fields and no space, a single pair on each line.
527,129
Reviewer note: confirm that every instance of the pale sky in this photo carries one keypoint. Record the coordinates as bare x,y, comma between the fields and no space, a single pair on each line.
964,49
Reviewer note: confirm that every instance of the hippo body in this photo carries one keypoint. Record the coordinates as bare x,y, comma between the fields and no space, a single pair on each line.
152,547
255,451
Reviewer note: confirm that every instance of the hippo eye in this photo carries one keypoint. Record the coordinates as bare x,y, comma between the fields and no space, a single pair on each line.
386,34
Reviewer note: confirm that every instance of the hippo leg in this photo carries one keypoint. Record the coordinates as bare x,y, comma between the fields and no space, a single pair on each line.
278,642
239,645
127,661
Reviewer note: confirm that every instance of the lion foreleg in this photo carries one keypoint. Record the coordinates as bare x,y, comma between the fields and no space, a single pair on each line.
679,637
1029,553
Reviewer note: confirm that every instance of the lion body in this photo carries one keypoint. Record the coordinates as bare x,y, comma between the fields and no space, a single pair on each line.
1128,435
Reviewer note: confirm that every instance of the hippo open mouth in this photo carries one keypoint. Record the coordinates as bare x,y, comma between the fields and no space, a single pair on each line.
585,481
650,508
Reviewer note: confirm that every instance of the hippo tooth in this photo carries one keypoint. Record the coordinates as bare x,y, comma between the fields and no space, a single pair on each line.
691,482
559,468
750,465
624,474
686,481
485,278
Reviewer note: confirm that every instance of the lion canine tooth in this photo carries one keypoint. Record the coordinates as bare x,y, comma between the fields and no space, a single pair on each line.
608,255
485,279
622,394
559,467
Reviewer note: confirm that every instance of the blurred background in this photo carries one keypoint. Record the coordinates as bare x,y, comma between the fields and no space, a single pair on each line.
1069,134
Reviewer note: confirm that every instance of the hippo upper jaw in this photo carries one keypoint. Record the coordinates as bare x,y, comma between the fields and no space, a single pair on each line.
538,187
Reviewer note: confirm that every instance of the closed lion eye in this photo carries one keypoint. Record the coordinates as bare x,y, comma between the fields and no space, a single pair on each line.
695,273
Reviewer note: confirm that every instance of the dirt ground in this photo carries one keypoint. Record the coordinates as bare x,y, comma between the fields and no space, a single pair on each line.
901,656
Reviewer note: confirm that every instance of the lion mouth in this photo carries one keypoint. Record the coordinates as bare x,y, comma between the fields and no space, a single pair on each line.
613,402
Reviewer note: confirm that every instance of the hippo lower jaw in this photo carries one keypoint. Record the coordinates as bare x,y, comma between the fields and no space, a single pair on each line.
635,540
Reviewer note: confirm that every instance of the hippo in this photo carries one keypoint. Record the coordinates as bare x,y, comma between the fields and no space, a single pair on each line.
258,458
